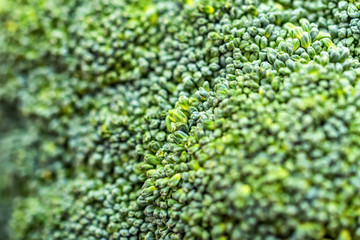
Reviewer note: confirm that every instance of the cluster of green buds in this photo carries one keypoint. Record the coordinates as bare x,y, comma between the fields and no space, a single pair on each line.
338,18
192,119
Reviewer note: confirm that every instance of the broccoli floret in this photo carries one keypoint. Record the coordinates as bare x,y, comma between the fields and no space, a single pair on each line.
257,167
185,119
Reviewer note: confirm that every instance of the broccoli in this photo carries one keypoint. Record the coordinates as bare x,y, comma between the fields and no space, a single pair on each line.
184,119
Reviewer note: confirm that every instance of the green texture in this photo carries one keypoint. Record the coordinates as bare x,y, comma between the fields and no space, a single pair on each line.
179,119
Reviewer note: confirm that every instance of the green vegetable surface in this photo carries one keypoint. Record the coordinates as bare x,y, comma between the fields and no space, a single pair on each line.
179,119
